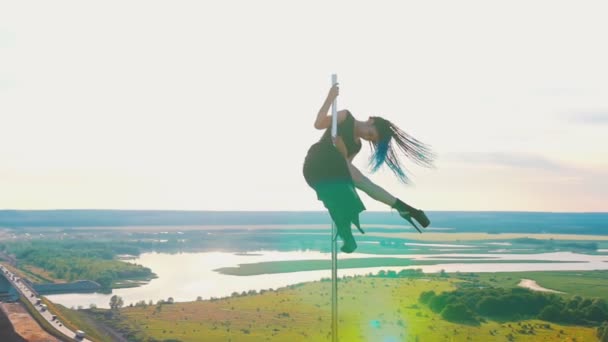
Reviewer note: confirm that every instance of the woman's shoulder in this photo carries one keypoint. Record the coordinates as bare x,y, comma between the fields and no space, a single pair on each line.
348,115
345,117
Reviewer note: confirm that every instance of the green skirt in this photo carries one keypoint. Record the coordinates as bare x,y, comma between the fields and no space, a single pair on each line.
326,171
342,202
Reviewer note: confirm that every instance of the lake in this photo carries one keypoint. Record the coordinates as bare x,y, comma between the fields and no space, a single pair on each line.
185,276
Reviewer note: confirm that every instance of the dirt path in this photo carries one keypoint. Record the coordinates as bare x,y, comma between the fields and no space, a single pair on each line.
24,324
115,335
7,332
532,285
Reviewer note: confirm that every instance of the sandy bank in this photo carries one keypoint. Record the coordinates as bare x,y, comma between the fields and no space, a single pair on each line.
532,285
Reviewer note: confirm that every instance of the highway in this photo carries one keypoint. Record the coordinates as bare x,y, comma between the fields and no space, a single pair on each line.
31,296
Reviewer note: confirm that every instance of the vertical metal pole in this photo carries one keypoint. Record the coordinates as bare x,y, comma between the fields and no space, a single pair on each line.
334,239
334,110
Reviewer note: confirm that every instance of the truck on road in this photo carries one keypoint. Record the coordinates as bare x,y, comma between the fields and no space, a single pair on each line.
80,334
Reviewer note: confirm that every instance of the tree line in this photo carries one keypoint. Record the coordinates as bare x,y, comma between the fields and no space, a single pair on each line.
78,260
473,305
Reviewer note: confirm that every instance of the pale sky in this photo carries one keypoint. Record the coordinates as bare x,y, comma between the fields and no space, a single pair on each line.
210,105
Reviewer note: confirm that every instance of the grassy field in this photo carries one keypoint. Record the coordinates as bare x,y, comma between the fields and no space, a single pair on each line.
74,320
371,309
444,237
572,283
312,265
40,275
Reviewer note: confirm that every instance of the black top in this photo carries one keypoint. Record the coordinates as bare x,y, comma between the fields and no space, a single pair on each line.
346,130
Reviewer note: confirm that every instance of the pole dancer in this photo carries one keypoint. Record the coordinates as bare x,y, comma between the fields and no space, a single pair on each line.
328,167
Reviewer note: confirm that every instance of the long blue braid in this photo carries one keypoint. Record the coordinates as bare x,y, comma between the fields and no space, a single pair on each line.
384,151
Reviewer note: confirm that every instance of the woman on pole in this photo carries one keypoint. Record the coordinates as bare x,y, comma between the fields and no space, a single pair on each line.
328,167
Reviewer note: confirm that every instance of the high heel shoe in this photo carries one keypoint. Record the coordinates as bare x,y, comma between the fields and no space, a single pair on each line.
346,234
349,245
408,212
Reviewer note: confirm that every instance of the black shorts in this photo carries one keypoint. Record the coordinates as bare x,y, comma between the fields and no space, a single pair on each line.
324,163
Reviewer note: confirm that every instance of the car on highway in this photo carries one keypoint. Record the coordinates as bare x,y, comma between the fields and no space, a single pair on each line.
79,334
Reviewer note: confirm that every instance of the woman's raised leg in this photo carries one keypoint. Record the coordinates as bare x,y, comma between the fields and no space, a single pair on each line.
370,188
379,194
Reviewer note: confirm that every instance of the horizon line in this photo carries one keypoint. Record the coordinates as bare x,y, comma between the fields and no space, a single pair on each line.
305,211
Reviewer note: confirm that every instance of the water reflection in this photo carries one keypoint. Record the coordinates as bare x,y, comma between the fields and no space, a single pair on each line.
186,276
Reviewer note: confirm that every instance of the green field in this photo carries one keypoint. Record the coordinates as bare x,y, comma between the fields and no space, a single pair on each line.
443,237
371,309
572,283
76,320
313,265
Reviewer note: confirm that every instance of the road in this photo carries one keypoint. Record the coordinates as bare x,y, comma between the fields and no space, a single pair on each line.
30,296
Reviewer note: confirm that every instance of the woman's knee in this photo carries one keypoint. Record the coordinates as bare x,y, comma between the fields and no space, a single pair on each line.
363,184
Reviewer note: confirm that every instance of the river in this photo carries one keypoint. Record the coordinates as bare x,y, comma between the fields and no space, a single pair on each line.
185,276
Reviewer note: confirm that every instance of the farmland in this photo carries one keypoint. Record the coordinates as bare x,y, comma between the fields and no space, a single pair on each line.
371,309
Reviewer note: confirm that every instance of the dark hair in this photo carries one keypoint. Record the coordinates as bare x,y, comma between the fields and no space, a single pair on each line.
383,150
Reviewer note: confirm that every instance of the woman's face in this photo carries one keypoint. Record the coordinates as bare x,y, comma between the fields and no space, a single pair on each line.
369,131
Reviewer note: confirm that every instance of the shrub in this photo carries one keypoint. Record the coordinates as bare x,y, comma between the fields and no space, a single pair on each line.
458,312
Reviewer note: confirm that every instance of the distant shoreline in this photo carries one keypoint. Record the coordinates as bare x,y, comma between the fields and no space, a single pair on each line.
460,221
486,236
430,235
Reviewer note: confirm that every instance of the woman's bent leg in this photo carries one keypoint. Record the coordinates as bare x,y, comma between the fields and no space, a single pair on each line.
379,194
370,188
